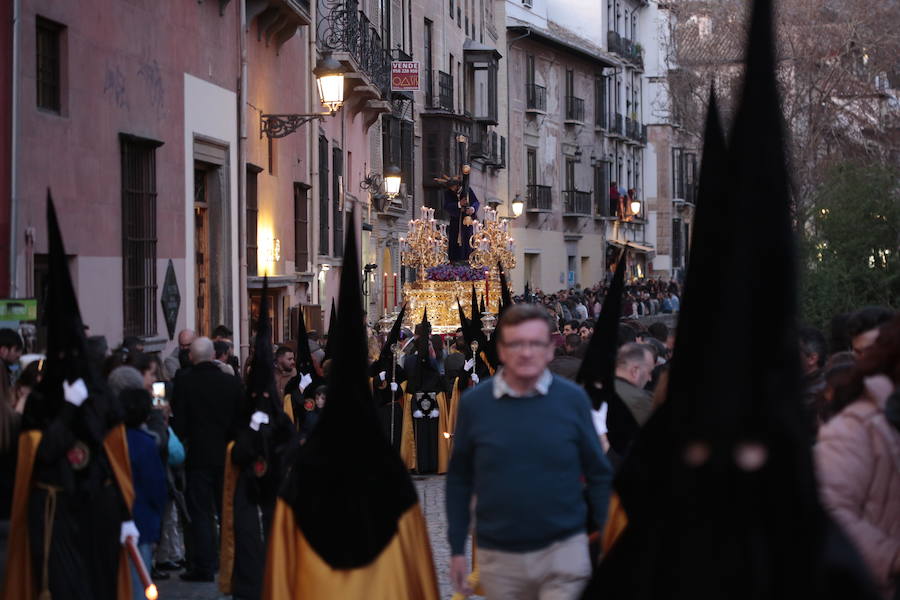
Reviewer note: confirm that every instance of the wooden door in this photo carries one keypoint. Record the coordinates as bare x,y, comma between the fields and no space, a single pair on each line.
201,253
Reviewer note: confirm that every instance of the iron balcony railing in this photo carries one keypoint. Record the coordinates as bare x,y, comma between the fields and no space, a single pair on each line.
574,109
343,28
617,127
536,96
630,129
444,98
626,48
539,197
614,42
576,202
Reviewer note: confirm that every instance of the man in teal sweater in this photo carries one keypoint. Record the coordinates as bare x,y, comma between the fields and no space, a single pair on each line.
526,448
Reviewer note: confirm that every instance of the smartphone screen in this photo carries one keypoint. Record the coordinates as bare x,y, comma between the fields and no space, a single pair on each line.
159,389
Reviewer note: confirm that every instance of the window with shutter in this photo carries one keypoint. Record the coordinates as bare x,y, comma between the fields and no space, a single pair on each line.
323,195
301,227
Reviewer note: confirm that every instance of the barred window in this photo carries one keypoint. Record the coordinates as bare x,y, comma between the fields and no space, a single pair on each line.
139,235
48,76
323,195
252,220
301,226
338,212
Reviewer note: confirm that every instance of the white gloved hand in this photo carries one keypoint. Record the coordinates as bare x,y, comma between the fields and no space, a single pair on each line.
394,386
418,414
475,378
469,365
382,375
434,414
257,419
129,529
305,380
75,393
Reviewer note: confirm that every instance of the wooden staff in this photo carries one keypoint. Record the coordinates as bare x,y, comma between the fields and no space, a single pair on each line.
150,590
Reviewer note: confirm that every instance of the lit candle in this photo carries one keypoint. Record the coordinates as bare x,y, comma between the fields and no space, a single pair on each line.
395,290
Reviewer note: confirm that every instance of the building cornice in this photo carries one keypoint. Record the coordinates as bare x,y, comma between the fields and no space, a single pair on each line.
524,29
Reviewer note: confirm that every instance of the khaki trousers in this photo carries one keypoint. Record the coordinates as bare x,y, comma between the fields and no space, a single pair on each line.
558,572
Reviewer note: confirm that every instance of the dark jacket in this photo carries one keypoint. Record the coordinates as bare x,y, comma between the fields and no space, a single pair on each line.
638,401
565,366
206,406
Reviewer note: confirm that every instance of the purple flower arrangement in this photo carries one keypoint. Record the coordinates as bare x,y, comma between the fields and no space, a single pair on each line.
450,272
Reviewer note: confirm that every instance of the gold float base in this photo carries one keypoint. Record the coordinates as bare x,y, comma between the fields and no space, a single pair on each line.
440,297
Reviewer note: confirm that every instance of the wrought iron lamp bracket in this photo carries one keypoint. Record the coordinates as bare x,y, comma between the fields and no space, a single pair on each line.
279,126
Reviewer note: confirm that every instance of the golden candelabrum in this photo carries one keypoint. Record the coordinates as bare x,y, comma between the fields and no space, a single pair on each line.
492,243
426,243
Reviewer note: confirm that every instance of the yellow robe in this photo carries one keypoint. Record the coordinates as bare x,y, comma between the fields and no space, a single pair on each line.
408,441
20,583
403,570
226,546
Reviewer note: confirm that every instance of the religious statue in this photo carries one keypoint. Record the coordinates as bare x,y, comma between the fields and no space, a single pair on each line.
461,206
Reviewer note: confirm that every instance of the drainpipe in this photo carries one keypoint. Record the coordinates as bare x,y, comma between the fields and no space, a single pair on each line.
243,320
313,138
14,147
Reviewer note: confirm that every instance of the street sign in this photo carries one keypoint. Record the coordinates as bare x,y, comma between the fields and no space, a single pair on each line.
18,309
404,75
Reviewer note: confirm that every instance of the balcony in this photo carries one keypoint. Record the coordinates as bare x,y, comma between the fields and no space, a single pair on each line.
540,198
576,203
617,127
626,48
353,39
443,100
535,98
574,110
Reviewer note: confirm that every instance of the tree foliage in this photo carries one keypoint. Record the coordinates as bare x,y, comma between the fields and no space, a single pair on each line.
850,251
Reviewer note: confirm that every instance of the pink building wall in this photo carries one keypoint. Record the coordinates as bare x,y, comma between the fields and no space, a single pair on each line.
123,68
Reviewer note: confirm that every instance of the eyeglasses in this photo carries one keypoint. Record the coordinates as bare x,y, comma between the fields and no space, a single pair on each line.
518,346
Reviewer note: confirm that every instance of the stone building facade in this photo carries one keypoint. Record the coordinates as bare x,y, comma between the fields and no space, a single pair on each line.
576,130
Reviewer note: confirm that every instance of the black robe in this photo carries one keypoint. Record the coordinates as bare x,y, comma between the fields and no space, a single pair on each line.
89,508
261,458
458,234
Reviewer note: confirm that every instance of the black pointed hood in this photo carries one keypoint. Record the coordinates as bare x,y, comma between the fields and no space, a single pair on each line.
739,528
476,317
304,356
481,307
261,387
332,327
463,320
505,296
599,364
385,359
67,356
349,487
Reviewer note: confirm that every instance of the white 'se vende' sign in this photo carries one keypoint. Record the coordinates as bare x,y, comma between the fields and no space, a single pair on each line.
404,75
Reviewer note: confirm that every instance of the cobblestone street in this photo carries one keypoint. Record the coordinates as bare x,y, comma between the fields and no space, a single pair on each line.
431,498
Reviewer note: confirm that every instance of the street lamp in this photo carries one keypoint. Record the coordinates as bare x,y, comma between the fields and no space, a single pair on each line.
330,81
392,179
517,206
635,207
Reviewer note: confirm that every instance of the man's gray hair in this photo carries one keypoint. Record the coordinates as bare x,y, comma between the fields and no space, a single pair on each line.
633,352
202,350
